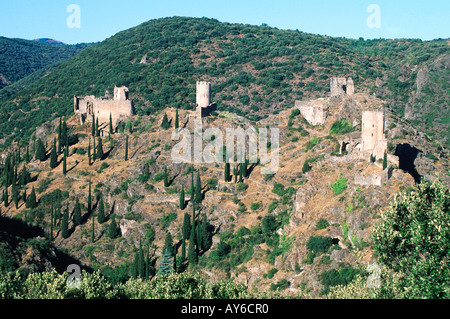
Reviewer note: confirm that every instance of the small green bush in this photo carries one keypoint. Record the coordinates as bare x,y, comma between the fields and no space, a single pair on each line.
340,185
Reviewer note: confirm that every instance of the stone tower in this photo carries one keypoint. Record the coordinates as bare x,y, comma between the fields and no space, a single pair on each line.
203,104
372,135
341,86
203,94
120,93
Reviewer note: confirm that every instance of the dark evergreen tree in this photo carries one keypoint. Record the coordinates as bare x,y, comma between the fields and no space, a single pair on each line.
64,166
31,199
168,244
94,154
206,236
89,200
126,148
176,119
227,175
192,249
76,217
198,189
89,153
93,126
186,228
101,210
40,150
166,265
64,134
192,189
65,223
99,154
53,156
97,131
384,161
113,230
141,261
182,200
165,124
110,125
15,195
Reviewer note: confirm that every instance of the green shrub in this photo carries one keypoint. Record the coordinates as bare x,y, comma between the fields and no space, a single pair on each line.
319,244
340,185
341,126
322,224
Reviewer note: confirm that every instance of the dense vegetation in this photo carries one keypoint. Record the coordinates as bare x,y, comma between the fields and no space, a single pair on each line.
19,58
255,68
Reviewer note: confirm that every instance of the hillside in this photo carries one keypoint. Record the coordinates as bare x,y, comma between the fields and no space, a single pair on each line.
20,58
256,71
298,231
259,228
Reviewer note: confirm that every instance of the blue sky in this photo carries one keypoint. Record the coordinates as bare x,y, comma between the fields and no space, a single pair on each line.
100,19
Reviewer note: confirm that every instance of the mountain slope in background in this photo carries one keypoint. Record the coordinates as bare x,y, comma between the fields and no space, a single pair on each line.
255,71
19,57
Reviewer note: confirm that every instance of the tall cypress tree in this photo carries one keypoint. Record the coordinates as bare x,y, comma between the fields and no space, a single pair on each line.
110,125
64,167
192,189
15,195
166,178
192,250
227,175
94,155
97,132
182,198
53,156
40,150
141,261
31,199
176,119
77,213
100,154
126,148
64,134
93,126
198,189
101,210
166,265
65,223
89,200
59,135
384,161
89,153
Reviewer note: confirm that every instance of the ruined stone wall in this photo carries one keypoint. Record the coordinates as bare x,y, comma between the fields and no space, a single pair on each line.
117,109
374,179
313,111
372,129
341,86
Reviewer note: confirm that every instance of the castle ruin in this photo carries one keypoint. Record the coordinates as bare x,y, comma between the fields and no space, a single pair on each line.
373,140
204,106
102,108
313,111
341,86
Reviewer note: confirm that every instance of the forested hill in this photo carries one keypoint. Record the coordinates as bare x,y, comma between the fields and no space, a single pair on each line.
19,57
254,70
